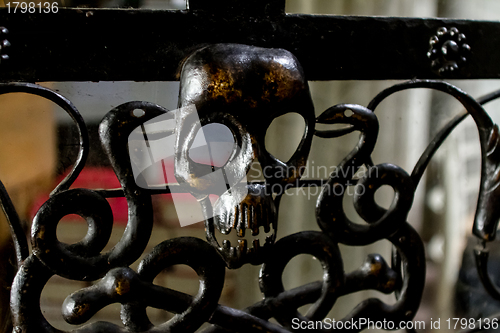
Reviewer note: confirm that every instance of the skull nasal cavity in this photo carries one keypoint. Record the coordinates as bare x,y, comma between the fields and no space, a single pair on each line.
284,135
212,145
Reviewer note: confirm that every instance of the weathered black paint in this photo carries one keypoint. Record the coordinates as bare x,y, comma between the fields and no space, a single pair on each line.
79,45
150,45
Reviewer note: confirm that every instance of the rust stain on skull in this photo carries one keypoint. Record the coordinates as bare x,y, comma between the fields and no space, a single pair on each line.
280,83
221,84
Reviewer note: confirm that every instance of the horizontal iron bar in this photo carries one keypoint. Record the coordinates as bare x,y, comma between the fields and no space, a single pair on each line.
150,45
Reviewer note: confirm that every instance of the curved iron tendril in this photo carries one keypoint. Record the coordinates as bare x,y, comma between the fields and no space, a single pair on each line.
83,261
381,223
17,231
489,138
439,138
486,222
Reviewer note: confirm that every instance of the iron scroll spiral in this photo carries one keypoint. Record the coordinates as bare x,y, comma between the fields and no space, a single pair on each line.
135,290
487,212
83,261
88,264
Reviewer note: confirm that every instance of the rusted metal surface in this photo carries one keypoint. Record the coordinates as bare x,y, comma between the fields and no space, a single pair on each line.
244,86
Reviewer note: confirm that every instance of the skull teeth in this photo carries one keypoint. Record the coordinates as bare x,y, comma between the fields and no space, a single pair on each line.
267,226
248,246
242,245
256,245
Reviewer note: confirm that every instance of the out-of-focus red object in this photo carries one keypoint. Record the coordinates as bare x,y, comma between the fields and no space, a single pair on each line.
93,178
105,178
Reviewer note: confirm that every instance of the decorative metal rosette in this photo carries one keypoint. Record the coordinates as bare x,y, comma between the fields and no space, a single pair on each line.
448,50
4,44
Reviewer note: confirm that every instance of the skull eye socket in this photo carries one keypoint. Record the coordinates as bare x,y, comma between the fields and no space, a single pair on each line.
213,145
284,135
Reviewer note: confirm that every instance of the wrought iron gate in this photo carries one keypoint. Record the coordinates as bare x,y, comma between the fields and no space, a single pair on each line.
241,64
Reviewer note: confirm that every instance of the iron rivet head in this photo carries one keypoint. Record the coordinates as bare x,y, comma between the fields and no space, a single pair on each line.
447,50
4,44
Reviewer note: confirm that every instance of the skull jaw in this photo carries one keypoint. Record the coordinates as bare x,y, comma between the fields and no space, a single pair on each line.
245,88
252,215
234,257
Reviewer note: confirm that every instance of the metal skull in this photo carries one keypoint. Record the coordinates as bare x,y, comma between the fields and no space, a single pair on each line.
243,88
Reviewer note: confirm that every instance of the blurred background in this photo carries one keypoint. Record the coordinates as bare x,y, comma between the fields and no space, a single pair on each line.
39,144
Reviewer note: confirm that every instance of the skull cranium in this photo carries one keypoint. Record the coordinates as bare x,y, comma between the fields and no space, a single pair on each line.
243,88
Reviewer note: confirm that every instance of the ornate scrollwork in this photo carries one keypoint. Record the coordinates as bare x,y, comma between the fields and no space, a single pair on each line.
117,283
